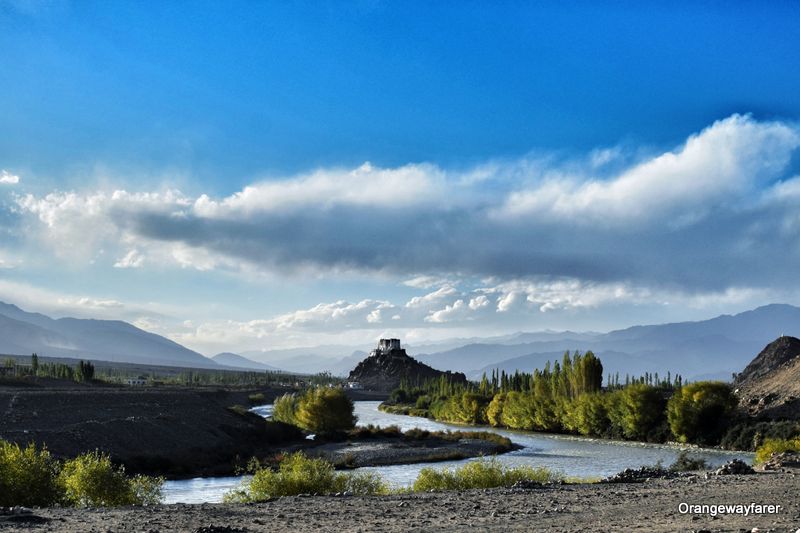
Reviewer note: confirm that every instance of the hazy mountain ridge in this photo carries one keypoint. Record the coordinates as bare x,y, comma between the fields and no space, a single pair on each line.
233,360
108,340
715,347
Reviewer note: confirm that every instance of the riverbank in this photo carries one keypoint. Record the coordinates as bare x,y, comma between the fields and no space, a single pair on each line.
650,506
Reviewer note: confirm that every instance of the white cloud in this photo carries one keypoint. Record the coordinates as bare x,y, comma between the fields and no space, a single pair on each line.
434,297
727,158
426,282
709,201
451,312
479,302
364,186
6,178
90,303
132,259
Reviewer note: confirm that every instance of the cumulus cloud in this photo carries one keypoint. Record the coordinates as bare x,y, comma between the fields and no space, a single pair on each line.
6,178
699,217
728,158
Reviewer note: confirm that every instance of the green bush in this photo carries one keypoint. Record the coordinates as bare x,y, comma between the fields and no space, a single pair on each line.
480,474
28,476
32,477
325,411
686,463
257,398
91,479
298,474
770,446
700,412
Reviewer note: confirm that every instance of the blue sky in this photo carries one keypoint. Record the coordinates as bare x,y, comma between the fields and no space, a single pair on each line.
254,174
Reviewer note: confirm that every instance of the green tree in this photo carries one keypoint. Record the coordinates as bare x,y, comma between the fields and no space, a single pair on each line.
588,415
636,410
285,408
700,412
325,410
84,371
494,412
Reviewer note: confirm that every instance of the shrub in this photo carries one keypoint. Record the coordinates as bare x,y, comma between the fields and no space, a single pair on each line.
27,476
770,446
686,463
91,479
325,411
257,398
298,474
480,474
32,477
700,412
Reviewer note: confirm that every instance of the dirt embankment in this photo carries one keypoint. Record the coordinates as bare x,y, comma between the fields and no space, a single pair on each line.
173,432
770,385
654,506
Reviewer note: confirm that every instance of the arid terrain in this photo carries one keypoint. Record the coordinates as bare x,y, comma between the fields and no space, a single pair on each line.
649,506
174,432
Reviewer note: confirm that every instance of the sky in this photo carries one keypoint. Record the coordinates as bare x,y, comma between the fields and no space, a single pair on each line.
257,175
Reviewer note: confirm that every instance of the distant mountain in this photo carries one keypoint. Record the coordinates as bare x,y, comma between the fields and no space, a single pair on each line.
237,361
310,360
107,340
716,347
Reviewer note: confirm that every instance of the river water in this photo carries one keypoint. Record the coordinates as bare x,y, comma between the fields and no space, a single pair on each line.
573,456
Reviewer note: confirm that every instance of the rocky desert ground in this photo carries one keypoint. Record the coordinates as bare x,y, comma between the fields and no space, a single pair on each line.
653,506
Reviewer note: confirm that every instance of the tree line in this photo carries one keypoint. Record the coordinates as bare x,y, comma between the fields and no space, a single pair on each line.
569,397
82,372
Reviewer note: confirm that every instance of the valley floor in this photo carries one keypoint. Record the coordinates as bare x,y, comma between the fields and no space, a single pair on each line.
650,506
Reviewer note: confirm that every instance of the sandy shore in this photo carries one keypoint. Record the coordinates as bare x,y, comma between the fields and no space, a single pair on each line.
650,506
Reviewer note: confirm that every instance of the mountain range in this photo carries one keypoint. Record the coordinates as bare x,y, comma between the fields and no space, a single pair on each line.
707,349
23,333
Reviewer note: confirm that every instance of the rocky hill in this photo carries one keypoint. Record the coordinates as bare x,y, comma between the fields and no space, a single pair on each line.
389,364
770,385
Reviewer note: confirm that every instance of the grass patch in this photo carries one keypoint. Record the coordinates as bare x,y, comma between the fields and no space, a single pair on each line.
299,474
480,474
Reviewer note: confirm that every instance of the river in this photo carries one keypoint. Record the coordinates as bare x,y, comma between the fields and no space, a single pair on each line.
573,456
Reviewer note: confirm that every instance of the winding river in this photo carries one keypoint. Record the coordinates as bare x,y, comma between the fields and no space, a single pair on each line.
573,456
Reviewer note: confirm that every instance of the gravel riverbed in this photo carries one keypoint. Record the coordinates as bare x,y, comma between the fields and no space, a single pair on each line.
654,505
